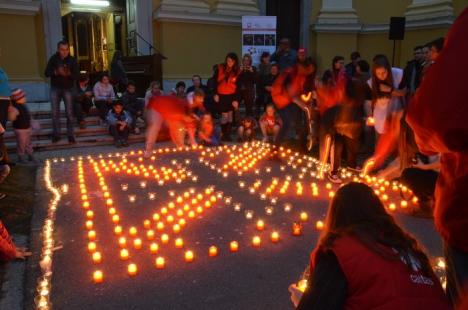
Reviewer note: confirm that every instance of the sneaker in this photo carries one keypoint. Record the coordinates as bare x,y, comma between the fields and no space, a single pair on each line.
334,178
55,139
136,131
2,195
71,140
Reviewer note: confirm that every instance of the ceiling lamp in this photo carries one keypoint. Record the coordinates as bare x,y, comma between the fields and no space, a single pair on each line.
100,3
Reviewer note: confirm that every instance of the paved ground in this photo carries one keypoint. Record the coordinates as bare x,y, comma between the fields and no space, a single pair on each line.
253,278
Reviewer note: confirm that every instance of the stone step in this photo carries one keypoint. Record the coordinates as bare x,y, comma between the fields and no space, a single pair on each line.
97,140
47,133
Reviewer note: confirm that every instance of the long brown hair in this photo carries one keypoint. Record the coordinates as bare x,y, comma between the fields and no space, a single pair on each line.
235,68
381,61
357,211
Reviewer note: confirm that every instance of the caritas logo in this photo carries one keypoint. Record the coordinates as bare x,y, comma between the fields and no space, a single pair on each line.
420,279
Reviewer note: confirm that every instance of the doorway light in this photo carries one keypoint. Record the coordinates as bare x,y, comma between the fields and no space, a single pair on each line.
100,3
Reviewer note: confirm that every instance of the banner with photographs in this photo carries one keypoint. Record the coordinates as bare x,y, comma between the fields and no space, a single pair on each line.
258,36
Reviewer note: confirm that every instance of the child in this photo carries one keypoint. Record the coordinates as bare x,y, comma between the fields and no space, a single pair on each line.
83,100
270,123
179,90
18,113
153,91
208,134
133,104
119,122
246,130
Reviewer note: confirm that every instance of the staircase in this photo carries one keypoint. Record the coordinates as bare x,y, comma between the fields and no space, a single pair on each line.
93,135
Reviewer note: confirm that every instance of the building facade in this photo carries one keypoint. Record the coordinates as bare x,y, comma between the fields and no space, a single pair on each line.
195,34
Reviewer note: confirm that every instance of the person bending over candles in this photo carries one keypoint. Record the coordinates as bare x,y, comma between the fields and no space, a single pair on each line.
8,250
178,115
364,260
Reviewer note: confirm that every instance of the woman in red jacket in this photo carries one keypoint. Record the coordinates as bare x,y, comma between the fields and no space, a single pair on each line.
365,261
226,96
8,250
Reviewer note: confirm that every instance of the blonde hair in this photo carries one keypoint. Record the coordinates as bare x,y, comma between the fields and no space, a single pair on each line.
247,55
153,84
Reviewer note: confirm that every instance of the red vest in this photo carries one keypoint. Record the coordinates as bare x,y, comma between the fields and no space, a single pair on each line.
378,283
229,86
283,92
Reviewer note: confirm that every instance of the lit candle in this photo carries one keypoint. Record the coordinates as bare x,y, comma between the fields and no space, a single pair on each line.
189,256
234,246
302,285
176,228
331,194
260,225
97,257
89,214
98,276
213,251
131,198
89,224
297,229
287,207
150,234
92,235
115,218
304,216
256,241
132,270
124,254
249,214
151,196
154,247
118,230
237,207
164,238
319,225
122,242
147,224
404,204
274,236
179,243
132,231
91,247
160,263
137,243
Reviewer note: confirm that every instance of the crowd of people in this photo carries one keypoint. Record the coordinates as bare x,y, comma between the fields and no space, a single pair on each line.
407,123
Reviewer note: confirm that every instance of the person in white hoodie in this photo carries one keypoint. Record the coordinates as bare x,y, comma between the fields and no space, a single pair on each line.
104,95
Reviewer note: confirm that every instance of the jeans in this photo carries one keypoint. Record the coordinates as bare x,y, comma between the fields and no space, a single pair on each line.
118,134
457,272
136,110
23,141
82,107
287,115
56,95
103,107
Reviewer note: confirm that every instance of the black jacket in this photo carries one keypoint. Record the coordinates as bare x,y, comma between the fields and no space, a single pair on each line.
70,67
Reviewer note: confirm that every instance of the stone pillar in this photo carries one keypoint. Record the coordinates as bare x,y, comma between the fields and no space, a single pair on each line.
429,13
337,16
52,20
236,7
304,36
144,26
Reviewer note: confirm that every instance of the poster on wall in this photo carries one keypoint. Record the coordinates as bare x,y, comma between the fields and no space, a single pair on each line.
258,36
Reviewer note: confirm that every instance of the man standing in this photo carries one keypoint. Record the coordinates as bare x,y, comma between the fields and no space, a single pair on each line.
284,56
63,72
412,71
351,67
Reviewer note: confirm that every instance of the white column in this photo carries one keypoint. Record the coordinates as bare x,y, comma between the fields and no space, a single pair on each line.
144,26
52,21
237,7
429,13
337,15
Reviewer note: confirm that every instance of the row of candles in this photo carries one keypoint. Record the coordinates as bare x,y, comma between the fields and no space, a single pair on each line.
42,300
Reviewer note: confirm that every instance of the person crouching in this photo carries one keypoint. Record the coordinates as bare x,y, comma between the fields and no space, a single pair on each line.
246,130
119,122
208,133
270,123
18,113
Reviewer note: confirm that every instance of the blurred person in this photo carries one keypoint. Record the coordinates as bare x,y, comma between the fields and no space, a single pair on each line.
153,90
351,67
270,124
118,74
438,117
179,90
8,250
264,69
208,133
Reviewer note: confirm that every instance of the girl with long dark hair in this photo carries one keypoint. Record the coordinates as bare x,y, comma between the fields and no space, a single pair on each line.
247,81
364,260
226,92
